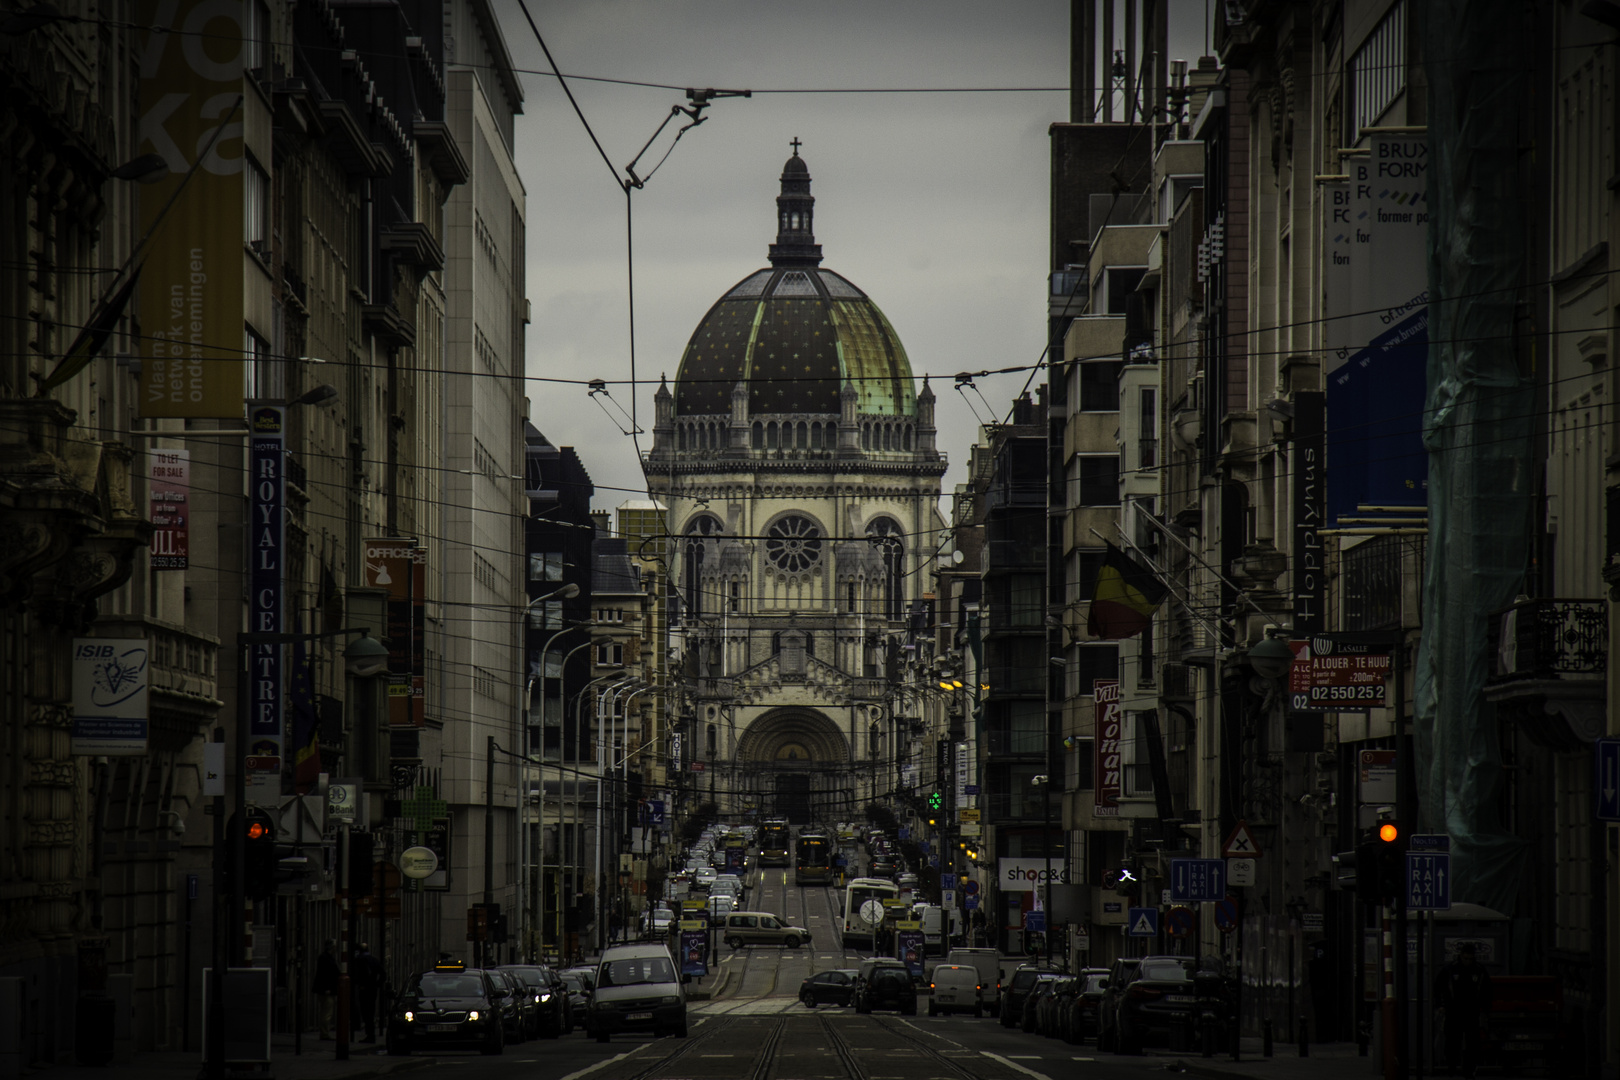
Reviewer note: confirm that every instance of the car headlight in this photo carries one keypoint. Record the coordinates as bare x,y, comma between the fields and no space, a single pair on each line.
473,1015
409,1016
672,1000
543,997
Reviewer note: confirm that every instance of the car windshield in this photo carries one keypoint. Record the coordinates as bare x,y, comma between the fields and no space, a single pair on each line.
574,983
450,986
1165,970
644,969
527,976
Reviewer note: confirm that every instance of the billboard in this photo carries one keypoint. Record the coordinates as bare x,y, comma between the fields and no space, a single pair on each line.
110,682
191,311
398,566
169,473
1379,341
267,556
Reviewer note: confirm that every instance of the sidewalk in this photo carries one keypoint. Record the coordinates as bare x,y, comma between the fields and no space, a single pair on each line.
1328,1061
317,1062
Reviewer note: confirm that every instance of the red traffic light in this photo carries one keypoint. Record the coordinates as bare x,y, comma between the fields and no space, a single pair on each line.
1388,833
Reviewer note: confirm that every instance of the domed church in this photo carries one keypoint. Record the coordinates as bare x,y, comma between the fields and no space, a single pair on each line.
798,463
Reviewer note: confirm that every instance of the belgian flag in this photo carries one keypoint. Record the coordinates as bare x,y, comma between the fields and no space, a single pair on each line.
1124,599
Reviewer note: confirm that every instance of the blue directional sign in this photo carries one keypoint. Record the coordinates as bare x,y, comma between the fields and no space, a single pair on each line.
1035,921
1428,880
947,881
970,902
1608,779
1143,922
1194,881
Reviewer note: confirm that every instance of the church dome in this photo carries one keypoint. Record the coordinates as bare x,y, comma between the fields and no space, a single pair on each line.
794,333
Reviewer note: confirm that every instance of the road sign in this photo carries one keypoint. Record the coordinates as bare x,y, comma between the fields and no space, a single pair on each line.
1035,921
698,766
1226,915
1142,922
947,897
1193,881
1241,872
970,887
970,902
1428,881
1428,842
947,881
1179,922
1608,779
970,789
1240,843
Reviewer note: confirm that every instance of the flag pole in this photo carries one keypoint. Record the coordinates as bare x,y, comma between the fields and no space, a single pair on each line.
1184,598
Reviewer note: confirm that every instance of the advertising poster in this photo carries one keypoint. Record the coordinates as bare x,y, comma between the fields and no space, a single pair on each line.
909,942
1310,508
191,94
109,696
1377,370
1106,768
398,566
169,479
267,554
694,951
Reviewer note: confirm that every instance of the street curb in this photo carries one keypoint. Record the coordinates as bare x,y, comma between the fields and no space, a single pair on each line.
712,992
1211,1071
380,1069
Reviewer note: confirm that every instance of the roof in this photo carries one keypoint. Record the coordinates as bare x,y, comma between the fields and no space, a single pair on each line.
612,572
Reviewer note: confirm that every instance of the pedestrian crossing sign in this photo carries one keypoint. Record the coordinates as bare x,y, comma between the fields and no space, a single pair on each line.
1143,922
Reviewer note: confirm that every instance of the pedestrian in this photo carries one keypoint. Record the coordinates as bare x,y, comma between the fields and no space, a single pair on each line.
366,976
325,988
1462,993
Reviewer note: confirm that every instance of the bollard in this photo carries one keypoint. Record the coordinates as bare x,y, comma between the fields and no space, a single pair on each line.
1304,1039
1265,1038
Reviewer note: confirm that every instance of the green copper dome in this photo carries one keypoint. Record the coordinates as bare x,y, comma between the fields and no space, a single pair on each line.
794,333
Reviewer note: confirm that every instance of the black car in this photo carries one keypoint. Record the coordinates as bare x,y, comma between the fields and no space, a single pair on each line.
517,1008
885,984
1158,1005
579,998
1050,1003
884,867
452,1006
1032,1001
835,987
1015,991
1119,976
549,1013
1083,1006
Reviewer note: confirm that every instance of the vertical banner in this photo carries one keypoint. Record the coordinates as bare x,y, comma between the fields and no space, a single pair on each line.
1106,768
1310,504
1338,243
109,696
694,949
1377,378
267,556
674,754
191,89
399,566
169,479
909,945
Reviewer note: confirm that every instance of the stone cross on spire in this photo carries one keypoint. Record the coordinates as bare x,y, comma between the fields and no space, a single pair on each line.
795,144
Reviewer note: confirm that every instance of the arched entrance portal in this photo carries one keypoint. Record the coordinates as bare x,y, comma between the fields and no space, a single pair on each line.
796,764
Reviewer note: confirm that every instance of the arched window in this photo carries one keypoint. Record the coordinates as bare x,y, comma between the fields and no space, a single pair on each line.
804,435
908,437
758,437
884,535
771,442
693,553
815,436
793,544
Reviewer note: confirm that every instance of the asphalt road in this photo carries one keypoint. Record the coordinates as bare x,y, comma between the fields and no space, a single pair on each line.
756,1029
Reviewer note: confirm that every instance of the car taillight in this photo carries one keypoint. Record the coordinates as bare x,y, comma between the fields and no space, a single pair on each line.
1143,992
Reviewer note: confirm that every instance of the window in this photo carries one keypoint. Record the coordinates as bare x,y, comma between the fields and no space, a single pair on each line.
884,535
1148,428
1024,600
1377,72
1083,567
266,375
256,37
1099,385
610,655
1120,283
793,544
1026,727
545,566
693,553
1088,663
484,682
255,204
736,596
1099,480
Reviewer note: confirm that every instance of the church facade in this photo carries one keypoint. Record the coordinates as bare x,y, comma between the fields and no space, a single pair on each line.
798,463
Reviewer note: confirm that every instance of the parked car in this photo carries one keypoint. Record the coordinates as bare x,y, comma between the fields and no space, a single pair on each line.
835,987
1120,973
1042,987
761,928
1084,1004
549,1016
1016,991
885,984
579,998
450,1006
955,988
638,988
1158,1001
1049,1003
516,1007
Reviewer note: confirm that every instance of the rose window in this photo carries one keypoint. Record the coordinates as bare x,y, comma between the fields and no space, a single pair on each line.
793,544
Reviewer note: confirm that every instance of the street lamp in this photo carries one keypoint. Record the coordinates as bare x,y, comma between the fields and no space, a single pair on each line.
1045,782
607,705
579,733
1271,658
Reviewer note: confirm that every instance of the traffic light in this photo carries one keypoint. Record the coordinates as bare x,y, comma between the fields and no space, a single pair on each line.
1122,879
1381,863
258,839
936,800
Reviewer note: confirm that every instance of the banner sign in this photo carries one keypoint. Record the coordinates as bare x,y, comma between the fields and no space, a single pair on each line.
267,498
191,308
109,696
1105,746
694,952
1027,875
1333,675
170,484
675,754
1377,377
399,566
437,841
1310,505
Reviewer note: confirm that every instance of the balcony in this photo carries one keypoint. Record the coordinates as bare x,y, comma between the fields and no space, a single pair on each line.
1548,664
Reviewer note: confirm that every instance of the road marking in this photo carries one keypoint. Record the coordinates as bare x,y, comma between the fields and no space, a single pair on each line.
587,1070
1013,1065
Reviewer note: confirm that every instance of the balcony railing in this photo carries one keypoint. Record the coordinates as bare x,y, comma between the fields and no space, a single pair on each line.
1549,639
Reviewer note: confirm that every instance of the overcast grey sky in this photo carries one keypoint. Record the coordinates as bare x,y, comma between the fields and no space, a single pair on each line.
936,204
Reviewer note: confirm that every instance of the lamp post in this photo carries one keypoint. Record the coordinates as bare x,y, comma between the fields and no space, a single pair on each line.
1045,782
579,734
606,700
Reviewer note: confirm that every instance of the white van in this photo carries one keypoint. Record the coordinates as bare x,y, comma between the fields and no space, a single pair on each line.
940,926
956,988
988,963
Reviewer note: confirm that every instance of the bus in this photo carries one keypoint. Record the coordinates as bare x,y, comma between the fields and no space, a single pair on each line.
864,909
813,860
775,843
